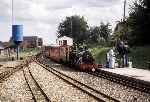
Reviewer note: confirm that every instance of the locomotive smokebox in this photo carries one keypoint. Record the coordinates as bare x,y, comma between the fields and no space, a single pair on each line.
17,34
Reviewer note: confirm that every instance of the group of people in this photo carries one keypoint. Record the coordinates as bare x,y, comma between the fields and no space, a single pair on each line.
122,53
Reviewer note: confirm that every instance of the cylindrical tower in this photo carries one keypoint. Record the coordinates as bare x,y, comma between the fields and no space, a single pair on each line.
17,35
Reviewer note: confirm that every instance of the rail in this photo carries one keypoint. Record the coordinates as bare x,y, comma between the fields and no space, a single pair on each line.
137,84
34,85
85,88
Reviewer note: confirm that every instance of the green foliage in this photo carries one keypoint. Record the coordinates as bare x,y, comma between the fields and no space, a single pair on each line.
140,56
29,52
75,27
99,34
139,22
99,54
23,54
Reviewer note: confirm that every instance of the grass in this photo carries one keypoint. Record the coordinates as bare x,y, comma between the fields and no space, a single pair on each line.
29,52
140,56
23,53
99,54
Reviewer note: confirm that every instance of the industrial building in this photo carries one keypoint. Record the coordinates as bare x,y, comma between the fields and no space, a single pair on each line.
30,42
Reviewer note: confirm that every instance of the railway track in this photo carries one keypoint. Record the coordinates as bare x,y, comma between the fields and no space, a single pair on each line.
137,84
81,86
38,94
11,70
4,75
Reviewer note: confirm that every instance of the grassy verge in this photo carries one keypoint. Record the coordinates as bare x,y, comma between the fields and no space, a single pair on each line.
138,55
29,52
23,54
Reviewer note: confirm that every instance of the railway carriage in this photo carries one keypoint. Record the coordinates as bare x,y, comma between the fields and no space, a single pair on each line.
59,53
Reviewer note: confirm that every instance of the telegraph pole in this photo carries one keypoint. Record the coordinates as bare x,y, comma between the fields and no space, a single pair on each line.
124,14
71,26
12,12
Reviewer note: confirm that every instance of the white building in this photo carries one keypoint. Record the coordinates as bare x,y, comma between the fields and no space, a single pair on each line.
64,41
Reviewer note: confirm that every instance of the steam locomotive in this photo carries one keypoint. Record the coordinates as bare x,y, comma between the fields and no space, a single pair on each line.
81,59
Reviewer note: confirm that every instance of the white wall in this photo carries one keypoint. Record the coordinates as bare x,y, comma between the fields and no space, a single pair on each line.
69,41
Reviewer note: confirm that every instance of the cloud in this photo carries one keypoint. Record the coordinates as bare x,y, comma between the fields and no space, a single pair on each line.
41,17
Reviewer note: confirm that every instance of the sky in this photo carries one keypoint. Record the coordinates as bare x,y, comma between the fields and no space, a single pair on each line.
42,17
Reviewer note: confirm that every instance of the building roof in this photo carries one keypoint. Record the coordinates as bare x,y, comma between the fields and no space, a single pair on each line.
54,45
26,38
64,38
29,37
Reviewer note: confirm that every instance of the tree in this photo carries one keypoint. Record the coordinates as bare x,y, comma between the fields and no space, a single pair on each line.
100,33
75,27
139,22
105,31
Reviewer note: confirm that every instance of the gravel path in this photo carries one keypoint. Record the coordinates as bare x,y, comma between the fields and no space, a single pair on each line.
57,89
15,89
8,65
123,93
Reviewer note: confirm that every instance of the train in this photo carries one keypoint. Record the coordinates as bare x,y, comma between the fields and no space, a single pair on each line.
80,59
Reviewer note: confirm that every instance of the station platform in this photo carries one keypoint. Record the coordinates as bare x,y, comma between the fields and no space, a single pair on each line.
141,74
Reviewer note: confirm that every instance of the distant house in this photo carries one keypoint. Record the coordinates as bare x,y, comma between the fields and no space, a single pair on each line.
64,41
31,42
119,27
121,30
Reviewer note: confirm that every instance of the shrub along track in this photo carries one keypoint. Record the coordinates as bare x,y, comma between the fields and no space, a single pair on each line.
81,86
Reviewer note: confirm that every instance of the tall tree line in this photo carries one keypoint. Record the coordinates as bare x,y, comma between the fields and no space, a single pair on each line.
77,28
139,23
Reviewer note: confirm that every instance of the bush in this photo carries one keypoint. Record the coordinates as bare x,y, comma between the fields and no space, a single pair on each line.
99,54
140,56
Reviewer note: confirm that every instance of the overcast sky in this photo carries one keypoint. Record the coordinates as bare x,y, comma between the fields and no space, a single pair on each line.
42,17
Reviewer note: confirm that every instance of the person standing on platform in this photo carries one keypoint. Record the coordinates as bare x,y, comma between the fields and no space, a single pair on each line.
120,49
107,60
111,59
126,51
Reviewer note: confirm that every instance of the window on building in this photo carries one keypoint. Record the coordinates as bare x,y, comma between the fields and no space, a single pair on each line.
64,42
59,42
